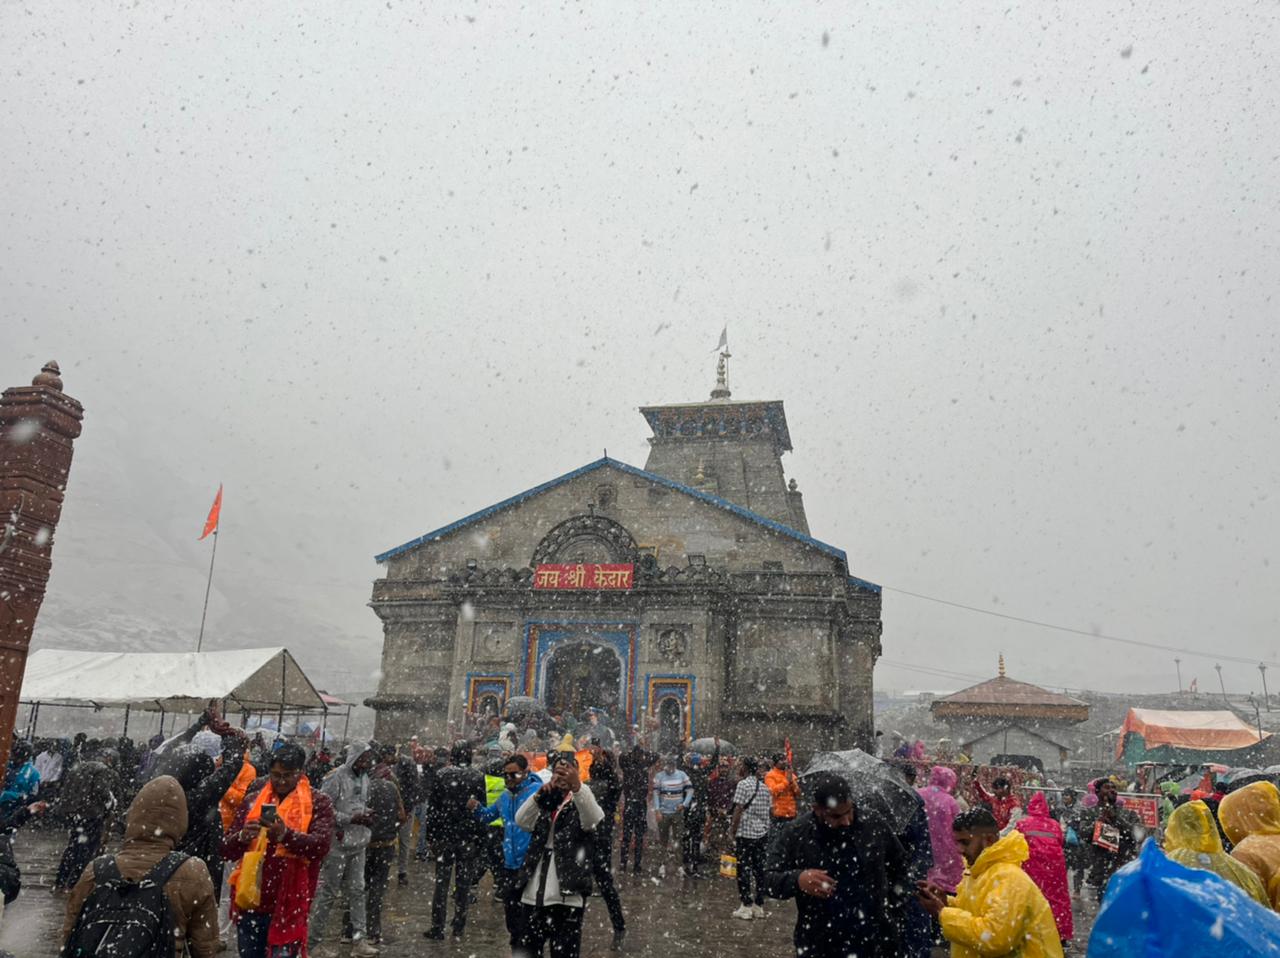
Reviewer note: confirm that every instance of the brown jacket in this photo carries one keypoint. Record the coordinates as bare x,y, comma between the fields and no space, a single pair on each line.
157,820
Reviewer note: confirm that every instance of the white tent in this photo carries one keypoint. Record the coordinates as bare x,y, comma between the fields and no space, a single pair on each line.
249,680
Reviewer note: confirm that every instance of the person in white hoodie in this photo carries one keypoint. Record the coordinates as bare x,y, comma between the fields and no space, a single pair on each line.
348,789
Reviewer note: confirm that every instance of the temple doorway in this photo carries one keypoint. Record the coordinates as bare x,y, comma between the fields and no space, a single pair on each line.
670,725
583,675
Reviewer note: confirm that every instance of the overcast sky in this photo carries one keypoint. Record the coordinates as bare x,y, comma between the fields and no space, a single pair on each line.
374,266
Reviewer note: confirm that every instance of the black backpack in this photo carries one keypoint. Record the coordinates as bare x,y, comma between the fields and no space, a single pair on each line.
125,919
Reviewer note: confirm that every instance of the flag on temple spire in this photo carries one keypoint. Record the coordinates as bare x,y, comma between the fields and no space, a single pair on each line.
724,339
211,523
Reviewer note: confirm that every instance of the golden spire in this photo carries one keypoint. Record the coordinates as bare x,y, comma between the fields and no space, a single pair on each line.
1001,665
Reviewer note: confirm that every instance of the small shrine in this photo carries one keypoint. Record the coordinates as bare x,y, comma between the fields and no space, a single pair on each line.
1003,721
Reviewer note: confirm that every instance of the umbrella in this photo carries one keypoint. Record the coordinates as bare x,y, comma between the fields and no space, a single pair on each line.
1234,775
521,705
705,746
871,781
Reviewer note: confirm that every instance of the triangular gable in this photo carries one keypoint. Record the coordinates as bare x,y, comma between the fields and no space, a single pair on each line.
601,463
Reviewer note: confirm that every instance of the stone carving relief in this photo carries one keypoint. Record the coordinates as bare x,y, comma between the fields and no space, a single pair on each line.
494,642
673,643
586,539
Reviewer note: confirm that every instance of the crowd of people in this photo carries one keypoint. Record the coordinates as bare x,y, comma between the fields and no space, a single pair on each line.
289,851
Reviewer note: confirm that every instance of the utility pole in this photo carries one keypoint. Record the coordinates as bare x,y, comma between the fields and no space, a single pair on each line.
1178,663
1221,686
1262,667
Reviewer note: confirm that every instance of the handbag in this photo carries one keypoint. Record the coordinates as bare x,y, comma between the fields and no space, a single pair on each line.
249,881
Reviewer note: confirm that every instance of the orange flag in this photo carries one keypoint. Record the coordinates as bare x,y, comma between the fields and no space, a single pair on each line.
211,524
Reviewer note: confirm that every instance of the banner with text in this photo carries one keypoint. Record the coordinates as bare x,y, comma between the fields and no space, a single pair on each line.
585,576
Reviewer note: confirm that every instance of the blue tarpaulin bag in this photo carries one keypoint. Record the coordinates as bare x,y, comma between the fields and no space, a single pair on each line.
1156,908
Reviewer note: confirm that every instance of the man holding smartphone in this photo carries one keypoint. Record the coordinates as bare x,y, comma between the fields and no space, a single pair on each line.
562,815
299,831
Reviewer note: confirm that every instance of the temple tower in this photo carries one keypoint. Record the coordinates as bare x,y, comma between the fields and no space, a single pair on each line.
731,449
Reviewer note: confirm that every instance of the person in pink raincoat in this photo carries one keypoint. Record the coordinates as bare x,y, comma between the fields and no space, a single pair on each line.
1091,795
941,808
1047,866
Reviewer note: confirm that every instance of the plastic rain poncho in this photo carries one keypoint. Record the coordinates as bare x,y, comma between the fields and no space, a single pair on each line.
1251,819
998,909
1191,839
1047,865
942,808
1155,907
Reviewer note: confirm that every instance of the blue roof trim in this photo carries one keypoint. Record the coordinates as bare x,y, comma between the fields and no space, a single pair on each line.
864,585
485,513
640,474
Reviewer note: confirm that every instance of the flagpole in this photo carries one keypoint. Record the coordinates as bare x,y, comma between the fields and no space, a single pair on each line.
207,587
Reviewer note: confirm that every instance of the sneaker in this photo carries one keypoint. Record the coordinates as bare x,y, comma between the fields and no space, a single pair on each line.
362,949
434,934
743,912
757,911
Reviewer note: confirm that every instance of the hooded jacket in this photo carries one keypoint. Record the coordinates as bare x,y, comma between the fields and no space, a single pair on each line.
998,910
349,793
1191,839
941,807
1047,864
1251,819
156,822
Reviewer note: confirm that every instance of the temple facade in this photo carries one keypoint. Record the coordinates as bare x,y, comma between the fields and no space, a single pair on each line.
686,597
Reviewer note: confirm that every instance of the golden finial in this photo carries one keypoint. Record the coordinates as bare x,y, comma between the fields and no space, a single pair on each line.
1001,665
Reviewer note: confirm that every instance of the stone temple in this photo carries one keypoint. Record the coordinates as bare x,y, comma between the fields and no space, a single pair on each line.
687,596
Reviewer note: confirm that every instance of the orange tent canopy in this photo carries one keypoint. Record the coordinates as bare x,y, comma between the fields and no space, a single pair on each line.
1205,731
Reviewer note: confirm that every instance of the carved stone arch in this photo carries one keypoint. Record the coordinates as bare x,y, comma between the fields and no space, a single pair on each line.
586,539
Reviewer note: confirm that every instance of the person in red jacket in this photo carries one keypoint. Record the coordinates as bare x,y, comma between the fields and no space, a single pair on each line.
299,823
1003,803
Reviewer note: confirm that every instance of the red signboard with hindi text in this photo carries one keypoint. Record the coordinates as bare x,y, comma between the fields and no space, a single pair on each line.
585,575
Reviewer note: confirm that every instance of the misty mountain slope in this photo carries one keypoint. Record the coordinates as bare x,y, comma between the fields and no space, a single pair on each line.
129,573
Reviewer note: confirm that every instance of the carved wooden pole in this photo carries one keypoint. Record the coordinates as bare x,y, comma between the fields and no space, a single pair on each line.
37,426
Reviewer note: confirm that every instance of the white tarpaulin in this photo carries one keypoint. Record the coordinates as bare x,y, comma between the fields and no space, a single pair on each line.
251,680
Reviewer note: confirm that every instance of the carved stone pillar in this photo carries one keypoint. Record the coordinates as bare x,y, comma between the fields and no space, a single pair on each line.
37,426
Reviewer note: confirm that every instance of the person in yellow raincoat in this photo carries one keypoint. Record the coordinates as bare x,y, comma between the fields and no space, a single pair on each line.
1191,839
1251,819
997,910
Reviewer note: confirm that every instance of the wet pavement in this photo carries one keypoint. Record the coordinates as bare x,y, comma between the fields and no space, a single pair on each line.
665,916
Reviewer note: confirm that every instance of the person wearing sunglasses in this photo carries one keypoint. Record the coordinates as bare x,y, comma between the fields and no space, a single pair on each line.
515,840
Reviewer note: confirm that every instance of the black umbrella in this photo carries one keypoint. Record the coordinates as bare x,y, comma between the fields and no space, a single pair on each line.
705,746
873,783
521,705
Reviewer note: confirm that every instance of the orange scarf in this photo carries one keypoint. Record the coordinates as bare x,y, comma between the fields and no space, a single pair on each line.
294,811
230,802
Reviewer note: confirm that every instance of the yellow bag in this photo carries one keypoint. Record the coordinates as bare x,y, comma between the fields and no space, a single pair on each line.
728,866
249,877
